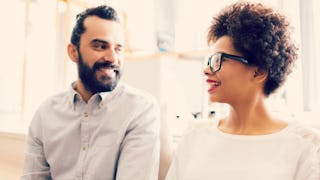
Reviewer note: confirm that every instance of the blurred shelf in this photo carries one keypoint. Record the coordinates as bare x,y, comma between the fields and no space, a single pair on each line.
198,55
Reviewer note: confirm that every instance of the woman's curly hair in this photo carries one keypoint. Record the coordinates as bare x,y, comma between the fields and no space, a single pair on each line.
261,35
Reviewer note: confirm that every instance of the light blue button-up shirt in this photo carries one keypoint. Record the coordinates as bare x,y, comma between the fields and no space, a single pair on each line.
115,135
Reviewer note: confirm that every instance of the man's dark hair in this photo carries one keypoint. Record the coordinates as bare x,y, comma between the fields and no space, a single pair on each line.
262,36
104,12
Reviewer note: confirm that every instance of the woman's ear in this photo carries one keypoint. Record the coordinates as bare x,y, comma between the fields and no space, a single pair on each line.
73,52
260,75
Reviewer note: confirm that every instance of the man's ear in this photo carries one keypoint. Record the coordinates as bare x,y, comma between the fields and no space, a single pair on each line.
73,52
260,75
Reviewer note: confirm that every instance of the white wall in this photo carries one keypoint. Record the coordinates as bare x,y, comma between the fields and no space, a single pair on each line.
176,83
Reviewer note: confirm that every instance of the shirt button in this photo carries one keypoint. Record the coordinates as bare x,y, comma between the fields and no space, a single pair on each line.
83,148
85,114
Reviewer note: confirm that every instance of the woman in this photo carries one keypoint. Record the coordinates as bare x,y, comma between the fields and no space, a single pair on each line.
253,54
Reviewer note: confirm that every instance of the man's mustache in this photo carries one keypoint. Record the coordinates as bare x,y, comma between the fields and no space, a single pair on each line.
105,64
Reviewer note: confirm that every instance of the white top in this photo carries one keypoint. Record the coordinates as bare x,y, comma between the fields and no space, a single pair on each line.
207,153
113,136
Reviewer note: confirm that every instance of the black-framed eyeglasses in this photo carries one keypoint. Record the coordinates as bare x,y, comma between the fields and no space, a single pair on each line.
215,60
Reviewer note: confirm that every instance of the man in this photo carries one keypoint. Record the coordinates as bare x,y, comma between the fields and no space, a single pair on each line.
99,129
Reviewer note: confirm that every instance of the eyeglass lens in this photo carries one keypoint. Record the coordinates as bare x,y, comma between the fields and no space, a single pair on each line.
214,62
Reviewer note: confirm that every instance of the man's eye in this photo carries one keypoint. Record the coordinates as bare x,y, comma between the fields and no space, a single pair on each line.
99,46
119,49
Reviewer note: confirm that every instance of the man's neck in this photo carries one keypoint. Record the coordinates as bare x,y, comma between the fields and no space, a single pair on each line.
85,94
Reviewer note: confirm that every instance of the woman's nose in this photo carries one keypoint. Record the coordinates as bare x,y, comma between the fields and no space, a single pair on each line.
207,71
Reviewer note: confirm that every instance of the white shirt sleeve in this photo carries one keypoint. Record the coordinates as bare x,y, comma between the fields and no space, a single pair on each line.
174,171
309,163
35,164
140,149
178,166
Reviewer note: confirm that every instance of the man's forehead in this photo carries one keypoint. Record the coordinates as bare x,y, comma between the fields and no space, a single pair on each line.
95,21
107,30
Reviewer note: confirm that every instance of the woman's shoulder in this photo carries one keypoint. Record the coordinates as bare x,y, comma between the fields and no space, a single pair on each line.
304,133
199,129
196,135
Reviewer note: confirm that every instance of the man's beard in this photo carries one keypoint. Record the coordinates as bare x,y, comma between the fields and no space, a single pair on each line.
89,78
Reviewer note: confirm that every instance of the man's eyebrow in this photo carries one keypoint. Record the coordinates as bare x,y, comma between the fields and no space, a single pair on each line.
105,42
99,41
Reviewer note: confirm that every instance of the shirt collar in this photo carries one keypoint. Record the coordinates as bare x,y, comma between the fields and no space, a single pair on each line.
107,96
102,96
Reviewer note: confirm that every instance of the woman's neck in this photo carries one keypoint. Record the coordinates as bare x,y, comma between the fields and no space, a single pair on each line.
250,118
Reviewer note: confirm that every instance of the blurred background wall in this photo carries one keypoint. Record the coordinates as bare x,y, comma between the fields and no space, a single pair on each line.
165,53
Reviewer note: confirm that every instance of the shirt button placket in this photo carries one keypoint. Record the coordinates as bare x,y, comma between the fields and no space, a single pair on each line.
84,139
85,115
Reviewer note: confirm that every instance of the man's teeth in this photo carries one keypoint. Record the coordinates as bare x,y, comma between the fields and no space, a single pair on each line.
216,84
110,68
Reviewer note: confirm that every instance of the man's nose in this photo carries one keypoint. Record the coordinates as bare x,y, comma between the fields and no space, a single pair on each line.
111,56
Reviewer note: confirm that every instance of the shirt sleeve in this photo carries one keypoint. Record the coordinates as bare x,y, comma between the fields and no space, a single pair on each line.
173,170
309,163
140,149
177,167
35,164
309,166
